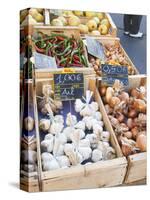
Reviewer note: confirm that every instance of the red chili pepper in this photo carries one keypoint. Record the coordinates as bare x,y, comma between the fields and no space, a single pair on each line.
39,50
76,58
60,38
75,65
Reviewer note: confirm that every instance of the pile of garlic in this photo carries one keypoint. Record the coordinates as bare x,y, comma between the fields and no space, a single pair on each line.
80,142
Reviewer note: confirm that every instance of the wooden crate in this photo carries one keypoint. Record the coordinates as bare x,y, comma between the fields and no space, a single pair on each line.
137,163
111,41
46,19
68,31
101,174
112,30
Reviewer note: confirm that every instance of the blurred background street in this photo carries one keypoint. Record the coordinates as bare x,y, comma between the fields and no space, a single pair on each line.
135,47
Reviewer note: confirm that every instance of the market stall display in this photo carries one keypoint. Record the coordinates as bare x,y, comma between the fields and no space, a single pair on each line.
83,103
126,111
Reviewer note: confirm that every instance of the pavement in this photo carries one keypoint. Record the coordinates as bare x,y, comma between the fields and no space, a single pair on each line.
135,47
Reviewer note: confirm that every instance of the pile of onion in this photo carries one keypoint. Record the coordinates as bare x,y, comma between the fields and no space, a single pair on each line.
127,113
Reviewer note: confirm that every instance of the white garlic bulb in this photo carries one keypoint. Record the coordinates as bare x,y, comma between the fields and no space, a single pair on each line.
106,144
100,146
67,131
93,140
62,138
110,153
44,125
105,136
98,116
68,147
88,122
94,106
47,145
85,152
97,155
46,156
63,161
56,128
50,165
71,120
84,143
86,111
80,125
79,105
59,119
58,149
97,129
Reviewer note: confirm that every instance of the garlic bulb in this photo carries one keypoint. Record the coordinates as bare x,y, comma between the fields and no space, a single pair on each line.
84,143
67,131
98,116
58,149
79,105
86,111
93,140
56,128
44,125
94,106
48,136
80,125
109,154
101,146
68,147
28,156
105,136
97,155
88,122
47,156
97,129
59,119
63,161
85,152
47,145
50,165
71,120
74,156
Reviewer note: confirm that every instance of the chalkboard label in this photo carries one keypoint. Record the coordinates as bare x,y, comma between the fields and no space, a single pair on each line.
95,48
44,61
112,72
68,86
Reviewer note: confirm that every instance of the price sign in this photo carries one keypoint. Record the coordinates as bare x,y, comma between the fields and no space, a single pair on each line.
95,48
112,72
68,86
44,61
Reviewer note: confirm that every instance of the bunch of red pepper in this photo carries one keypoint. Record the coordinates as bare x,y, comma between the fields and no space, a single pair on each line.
68,51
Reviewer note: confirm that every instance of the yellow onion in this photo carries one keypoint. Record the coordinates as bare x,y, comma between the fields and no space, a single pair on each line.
139,105
141,142
124,97
120,117
109,94
114,101
102,90
128,134
132,113
130,123
134,132
134,93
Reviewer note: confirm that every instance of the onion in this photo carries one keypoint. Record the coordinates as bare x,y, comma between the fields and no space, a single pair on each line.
124,96
120,117
132,113
134,93
141,142
128,134
102,90
140,105
108,109
109,94
114,101
134,132
130,123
